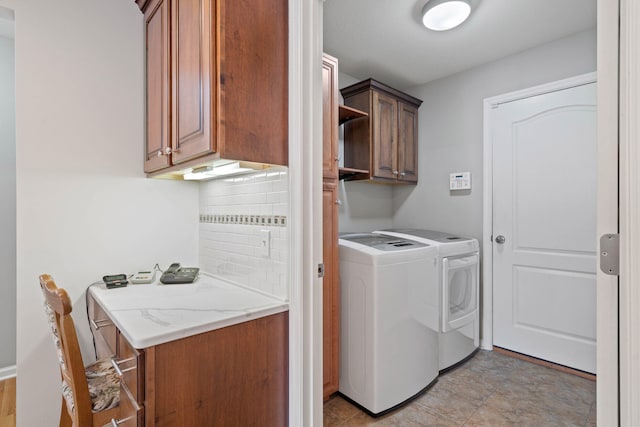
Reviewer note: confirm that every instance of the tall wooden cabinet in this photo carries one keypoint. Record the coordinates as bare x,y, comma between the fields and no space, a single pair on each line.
217,81
330,283
384,145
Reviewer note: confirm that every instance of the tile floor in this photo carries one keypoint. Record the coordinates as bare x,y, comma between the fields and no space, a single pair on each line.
491,389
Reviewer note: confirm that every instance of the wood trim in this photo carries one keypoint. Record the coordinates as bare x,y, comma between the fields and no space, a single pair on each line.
368,84
545,363
150,385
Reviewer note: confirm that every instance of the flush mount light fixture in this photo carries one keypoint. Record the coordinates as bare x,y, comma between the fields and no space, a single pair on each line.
441,15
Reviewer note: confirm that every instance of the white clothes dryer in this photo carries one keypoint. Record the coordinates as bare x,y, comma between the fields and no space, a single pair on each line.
389,320
458,265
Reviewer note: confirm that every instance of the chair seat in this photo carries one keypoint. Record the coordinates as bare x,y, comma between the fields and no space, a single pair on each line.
104,386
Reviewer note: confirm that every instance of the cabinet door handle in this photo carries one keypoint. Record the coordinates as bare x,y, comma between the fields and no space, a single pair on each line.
97,324
116,366
167,151
402,174
116,423
395,172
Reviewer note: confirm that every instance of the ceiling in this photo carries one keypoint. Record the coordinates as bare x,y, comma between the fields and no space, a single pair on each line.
385,39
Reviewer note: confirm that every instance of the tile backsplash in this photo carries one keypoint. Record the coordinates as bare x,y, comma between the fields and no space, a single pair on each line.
233,214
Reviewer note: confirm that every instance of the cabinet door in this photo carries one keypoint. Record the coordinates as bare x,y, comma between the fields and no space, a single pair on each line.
192,47
254,80
329,117
407,142
384,125
131,414
103,330
131,363
330,290
156,19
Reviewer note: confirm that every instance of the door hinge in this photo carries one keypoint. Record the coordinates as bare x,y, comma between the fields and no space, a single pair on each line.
610,254
321,270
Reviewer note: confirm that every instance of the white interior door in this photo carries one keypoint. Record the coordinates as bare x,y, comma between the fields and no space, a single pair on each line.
544,226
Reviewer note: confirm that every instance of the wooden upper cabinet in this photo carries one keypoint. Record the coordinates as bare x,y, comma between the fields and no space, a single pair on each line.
156,17
254,80
192,45
329,117
408,142
384,134
385,142
217,82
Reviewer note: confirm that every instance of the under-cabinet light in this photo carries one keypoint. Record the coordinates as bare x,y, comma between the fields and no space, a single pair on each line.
215,170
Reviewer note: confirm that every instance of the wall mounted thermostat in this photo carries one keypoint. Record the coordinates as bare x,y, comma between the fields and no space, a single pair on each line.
460,181
143,277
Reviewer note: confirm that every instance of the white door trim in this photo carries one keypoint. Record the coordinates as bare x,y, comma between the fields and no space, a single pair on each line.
489,104
629,158
607,286
305,201
296,174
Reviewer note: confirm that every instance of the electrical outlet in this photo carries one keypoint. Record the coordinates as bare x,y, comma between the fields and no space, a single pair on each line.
265,243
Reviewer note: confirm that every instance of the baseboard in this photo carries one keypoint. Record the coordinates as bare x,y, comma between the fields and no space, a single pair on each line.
8,372
535,360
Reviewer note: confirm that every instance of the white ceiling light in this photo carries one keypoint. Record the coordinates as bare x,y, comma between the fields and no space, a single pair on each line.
441,15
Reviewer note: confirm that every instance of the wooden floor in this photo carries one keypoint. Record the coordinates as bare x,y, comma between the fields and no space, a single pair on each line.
8,403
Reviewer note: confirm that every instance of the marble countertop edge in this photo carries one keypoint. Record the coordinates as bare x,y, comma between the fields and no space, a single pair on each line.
146,315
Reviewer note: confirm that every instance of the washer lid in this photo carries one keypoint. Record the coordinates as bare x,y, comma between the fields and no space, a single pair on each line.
436,236
382,242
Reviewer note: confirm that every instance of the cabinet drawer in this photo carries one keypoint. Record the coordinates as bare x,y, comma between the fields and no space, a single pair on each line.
130,363
103,330
131,414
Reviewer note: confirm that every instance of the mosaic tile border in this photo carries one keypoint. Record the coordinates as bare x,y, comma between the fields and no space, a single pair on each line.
261,220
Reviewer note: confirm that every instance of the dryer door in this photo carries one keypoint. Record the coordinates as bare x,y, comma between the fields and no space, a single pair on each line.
459,291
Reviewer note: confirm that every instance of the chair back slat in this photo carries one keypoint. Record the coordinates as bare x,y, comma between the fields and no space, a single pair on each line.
74,382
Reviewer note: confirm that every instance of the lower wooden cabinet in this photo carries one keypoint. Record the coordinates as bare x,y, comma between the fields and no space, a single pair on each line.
232,376
330,290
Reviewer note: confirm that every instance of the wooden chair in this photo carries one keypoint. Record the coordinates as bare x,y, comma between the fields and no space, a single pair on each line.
90,395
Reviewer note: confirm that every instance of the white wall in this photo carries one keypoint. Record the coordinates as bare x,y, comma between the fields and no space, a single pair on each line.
451,130
7,206
364,206
84,207
233,213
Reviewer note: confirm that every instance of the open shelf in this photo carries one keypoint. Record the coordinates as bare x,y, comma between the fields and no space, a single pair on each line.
351,174
349,113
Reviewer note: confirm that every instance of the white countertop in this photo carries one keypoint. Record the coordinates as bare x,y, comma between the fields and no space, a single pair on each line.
153,314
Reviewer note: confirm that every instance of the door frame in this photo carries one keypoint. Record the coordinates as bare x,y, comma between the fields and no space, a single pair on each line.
305,223
489,104
629,196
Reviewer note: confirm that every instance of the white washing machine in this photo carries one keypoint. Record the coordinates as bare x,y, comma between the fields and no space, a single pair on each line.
389,320
458,265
